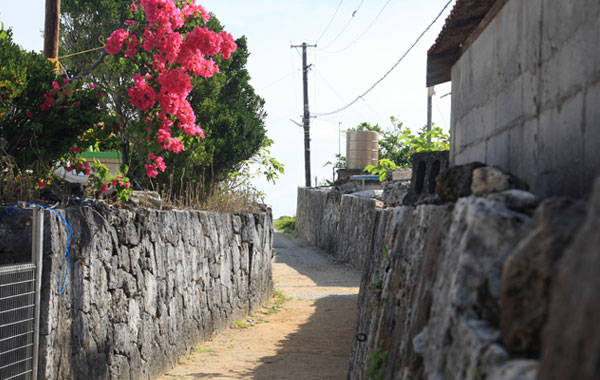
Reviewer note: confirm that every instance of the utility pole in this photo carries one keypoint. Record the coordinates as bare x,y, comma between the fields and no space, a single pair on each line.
51,29
430,93
306,116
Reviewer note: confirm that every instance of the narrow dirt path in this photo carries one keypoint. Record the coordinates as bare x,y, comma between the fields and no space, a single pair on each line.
307,338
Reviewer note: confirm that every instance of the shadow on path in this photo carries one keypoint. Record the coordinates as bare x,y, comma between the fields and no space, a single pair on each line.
313,263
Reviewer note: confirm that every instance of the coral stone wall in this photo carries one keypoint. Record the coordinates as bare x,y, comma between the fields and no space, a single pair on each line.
145,286
503,286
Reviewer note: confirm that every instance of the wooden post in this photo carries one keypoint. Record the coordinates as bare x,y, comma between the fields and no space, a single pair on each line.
51,29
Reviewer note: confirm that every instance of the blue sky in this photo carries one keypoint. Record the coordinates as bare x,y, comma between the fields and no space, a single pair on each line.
335,80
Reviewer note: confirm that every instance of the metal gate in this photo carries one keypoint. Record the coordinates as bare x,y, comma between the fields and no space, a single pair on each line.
20,310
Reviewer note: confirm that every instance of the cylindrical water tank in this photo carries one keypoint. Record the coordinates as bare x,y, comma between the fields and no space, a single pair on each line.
362,149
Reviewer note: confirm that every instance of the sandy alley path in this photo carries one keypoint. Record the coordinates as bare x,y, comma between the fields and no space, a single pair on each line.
307,338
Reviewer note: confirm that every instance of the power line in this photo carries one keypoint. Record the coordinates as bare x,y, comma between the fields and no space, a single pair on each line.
279,80
346,26
391,69
363,33
330,21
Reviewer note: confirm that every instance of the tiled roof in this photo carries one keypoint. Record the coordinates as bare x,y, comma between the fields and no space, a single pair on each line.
462,21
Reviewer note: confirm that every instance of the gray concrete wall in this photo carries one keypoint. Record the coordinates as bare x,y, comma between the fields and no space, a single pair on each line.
145,286
526,95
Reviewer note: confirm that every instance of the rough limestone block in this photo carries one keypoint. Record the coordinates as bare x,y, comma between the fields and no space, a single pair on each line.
570,340
489,179
467,287
529,271
455,182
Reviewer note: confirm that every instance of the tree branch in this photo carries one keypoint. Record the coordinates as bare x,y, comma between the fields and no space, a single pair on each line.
87,71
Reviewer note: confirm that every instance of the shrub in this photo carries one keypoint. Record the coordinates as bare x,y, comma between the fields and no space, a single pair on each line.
286,224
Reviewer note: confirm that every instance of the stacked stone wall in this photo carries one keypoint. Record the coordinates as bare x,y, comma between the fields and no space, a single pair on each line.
501,286
145,286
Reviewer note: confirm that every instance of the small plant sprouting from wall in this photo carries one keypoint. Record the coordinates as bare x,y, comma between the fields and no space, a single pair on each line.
377,285
377,363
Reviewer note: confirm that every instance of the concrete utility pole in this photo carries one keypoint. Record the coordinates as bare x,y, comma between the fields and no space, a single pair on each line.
430,93
51,29
306,116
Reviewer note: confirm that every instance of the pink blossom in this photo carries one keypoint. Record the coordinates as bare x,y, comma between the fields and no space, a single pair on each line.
47,103
192,8
75,149
160,163
131,45
175,82
159,11
228,45
29,114
151,170
65,80
205,40
141,95
127,185
104,188
115,41
55,86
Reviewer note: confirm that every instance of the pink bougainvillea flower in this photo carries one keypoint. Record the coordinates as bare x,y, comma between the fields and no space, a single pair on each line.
104,188
55,86
75,149
160,163
131,46
47,103
151,170
141,95
29,114
115,41
228,46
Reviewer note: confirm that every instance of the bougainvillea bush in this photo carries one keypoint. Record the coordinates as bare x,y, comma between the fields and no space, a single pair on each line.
226,106
169,43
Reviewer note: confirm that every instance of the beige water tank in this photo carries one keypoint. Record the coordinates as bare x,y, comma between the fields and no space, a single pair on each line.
362,149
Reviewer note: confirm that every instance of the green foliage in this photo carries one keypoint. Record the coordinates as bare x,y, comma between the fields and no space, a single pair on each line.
376,368
383,167
377,285
340,162
433,140
37,137
398,144
286,224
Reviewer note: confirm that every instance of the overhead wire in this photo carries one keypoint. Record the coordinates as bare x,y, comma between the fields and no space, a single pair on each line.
363,33
391,69
330,21
346,26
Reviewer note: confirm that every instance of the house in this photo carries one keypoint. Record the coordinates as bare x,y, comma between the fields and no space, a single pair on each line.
525,89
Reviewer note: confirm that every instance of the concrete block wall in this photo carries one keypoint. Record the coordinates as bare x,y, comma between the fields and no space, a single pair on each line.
526,95
145,286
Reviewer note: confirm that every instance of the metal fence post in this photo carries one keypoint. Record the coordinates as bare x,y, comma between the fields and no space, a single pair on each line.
37,248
